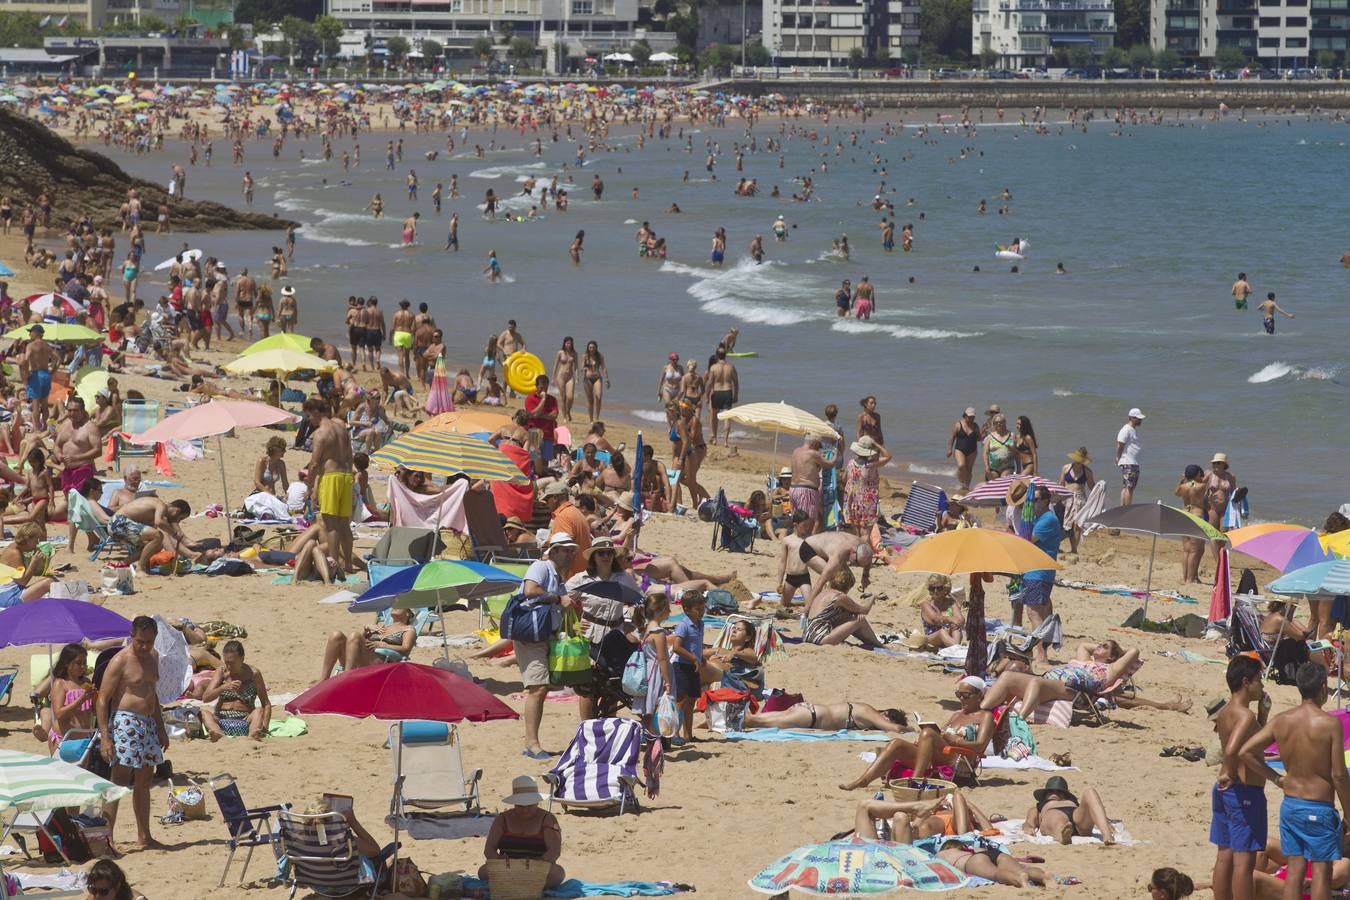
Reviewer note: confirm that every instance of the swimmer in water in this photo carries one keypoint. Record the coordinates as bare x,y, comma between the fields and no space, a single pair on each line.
1268,308
494,267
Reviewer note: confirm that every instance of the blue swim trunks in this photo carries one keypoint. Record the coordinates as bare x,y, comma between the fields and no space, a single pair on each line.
39,384
1310,829
1239,818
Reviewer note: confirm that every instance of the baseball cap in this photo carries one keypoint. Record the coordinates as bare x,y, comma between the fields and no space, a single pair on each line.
1136,413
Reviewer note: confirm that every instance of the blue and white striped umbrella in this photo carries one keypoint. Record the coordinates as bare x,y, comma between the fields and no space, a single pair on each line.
1330,578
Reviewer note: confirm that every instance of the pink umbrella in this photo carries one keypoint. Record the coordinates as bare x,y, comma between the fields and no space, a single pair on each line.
995,491
1286,549
439,399
214,418
1221,598
52,304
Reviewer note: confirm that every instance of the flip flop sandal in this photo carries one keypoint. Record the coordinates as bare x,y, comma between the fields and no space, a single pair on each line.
1172,751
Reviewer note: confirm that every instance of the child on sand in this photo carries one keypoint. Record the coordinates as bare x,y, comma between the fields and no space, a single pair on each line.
686,657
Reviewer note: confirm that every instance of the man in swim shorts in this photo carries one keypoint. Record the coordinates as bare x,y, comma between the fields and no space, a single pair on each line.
1127,455
1238,823
1311,745
131,725
1241,291
35,369
402,338
807,464
330,480
1268,308
724,386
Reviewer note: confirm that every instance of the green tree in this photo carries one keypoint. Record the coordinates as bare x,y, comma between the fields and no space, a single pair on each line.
1060,57
292,27
20,30
1228,59
685,27
883,55
236,35
1114,58
1167,59
1326,59
482,46
641,51
988,58
1141,56
183,23
398,48
1131,22
153,22
256,11
758,55
945,26
522,50
432,49
1079,56
329,31
715,56
856,56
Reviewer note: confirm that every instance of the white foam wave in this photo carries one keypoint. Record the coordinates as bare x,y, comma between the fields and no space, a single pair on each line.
321,235
630,221
853,326
1272,372
290,204
676,268
494,172
755,313
650,415
1321,373
1061,392
329,215
946,471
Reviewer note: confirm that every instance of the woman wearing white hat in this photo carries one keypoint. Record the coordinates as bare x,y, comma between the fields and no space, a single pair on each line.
862,481
525,831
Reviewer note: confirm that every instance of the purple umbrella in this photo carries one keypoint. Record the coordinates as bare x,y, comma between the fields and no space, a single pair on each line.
51,620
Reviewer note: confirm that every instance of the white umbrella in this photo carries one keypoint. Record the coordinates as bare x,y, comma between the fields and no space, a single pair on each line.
663,56
619,57
193,254
175,662
32,783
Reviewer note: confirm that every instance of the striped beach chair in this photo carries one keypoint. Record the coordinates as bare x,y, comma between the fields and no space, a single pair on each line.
320,856
599,768
922,506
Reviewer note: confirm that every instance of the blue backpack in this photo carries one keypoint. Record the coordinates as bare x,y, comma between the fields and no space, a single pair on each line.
634,679
529,623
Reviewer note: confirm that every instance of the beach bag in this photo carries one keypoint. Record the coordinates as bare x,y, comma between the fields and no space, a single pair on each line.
1020,742
185,803
67,837
721,603
408,881
634,680
569,654
667,716
118,580
531,624
726,709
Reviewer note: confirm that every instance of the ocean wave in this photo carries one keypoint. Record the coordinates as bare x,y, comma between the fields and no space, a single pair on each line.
945,471
1062,392
650,415
1271,372
320,235
676,268
853,326
630,221
329,215
755,313
290,204
523,171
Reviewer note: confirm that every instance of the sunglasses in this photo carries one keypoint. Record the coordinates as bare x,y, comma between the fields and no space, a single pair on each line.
964,694
604,552
105,891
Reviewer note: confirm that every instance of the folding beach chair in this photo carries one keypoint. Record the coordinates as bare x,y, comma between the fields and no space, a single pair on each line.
137,416
429,771
485,526
8,674
731,531
320,855
491,607
1244,636
249,828
599,768
82,517
922,507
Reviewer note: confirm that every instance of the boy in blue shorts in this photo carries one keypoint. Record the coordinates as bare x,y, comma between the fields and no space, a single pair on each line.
686,660
1239,823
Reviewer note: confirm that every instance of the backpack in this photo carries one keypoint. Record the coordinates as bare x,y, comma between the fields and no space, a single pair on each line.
531,624
67,836
721,603
634,679
1018,743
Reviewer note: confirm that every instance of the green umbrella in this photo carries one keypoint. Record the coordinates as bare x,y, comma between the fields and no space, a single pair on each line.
1158,520
57,333
33,783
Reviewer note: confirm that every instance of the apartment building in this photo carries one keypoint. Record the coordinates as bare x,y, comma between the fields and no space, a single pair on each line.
825,32
1027,32
1278,33
100,14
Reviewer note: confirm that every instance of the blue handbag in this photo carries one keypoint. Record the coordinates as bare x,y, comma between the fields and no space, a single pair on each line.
530,622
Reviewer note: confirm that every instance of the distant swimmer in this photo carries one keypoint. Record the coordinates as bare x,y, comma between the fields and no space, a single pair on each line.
410,228
1241,291
757,249
864,299
1345,259
779,229
1059,269
1268,308
494,269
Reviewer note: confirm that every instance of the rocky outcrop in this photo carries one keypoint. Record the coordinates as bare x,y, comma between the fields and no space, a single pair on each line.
34,159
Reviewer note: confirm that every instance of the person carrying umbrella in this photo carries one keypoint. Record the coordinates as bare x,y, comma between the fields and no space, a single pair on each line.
131,724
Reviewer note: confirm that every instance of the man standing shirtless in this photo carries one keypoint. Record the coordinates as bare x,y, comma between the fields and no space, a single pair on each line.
508,342
35,370
1239,824
1312,747
77,445
833,551
1241,291
245,292
403,335
724,390
807,463
131,726
330,480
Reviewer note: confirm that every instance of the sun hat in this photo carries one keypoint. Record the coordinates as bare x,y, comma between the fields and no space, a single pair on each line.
625,501
1136,413
970,411
1219,458
785,472
1057,785
287,291
559,539
556,489
1080,456
514,522
864,446
1214,706
524,792
602,543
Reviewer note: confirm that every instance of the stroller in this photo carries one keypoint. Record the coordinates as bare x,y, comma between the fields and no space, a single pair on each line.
608,660
731,531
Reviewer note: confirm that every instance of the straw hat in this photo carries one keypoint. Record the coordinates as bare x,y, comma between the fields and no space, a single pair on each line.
556,489
602,543
514,522
1054,784
1219,458
785,472
1080,456
625,501
864,446
524,792
288,291
559,539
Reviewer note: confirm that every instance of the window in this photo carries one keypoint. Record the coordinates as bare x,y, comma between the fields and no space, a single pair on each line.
1270,22
843,20
1296,22
582,7
1184,23
1296,43
1270,42
789,20
844,43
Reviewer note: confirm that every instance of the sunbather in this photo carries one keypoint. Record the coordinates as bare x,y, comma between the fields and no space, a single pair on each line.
950,815
943,623
849,715
676,577
1059,815
1093,669
832,616
72,695
967,732
240,694
524,831
23,554
357,648
1271,871
977,856
738,666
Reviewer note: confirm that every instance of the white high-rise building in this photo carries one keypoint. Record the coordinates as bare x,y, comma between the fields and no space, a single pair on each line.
1027,32
826,32
1278,33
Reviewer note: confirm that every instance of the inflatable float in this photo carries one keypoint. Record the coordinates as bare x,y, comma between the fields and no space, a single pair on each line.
522,368
743,354
1005,253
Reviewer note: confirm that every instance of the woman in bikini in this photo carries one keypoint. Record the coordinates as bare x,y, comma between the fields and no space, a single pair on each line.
943,623
963,443
691,387
358,648
269,474
869,420
1059,815
263,310
1191,489
668,387
489,360
833,617
695,449
1025,447
72,695
851,716
240,695
565,376
1092,670
596,376
966,733
1077,477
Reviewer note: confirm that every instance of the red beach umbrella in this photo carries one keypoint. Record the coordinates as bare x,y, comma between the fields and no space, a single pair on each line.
406,690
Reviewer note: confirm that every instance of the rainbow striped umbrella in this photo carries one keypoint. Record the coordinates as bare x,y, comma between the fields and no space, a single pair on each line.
439,399
448,453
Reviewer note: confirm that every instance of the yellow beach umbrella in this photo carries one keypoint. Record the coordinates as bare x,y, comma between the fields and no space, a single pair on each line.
448,453
1337,543
279,359
123,100
88,385
969,550
283,341
778,418
465,421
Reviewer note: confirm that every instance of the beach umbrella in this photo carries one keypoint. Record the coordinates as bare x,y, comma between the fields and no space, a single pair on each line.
400,691
5,271
279,359
448,453
855,867
31,783
1247,532
1157,520
282,341
175,662
89,384
53,620
465,421
192,254
57,333
971,550
439,399
1286,549
778,418
53,304
214,418
1330,578
995,491
1337,543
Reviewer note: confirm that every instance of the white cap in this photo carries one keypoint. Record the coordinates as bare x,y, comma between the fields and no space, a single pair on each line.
560,539
1136,413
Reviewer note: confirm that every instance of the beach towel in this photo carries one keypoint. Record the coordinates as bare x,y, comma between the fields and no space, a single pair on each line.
575,887
443,510
998,762
783,735
442,828
292,726
1011,832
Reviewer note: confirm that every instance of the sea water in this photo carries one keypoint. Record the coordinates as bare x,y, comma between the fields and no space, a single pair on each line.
1151,223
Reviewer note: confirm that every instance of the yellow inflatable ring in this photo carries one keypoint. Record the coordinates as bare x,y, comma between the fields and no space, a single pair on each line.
522,368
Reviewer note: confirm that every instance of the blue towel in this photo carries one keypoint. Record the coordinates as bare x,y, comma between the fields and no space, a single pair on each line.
781,735
575,887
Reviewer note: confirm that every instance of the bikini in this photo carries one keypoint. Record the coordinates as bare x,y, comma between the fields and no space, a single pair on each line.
234,722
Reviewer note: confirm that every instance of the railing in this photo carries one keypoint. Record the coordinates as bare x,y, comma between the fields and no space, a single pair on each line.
1052,5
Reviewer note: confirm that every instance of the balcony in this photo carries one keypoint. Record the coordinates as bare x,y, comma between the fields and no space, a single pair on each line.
1052,5
1236,7
1186,6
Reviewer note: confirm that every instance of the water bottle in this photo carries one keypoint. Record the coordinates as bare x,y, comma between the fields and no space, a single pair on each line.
883,825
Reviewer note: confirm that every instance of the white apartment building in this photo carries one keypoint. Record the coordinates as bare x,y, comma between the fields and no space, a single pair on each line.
1027,32
1278,33
97,14
825,32
582,25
